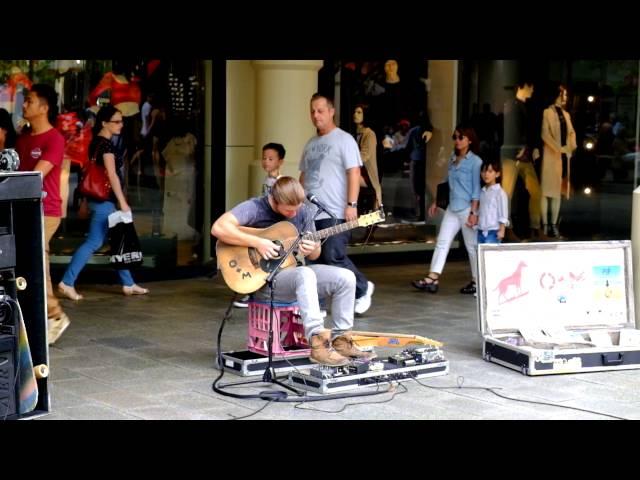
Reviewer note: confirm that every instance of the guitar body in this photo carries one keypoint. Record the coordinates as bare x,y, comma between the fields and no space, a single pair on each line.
243,268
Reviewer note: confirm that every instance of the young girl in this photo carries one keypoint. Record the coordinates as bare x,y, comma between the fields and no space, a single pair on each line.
493,215
272,159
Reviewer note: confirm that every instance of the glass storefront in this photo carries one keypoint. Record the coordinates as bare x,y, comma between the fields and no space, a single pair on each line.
600,173
161,146
602,105
392,95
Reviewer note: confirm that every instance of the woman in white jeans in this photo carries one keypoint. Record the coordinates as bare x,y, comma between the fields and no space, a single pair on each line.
462,213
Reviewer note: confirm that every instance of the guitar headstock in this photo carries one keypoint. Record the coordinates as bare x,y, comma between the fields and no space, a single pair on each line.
371,218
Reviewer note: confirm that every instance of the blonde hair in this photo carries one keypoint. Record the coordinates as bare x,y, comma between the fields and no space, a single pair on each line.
287,191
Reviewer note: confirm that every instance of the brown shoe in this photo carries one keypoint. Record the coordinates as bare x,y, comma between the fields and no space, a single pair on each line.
510,236
345,347
322,351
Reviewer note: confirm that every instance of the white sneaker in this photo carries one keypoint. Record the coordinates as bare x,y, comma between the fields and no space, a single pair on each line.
56,327
364,302
242,302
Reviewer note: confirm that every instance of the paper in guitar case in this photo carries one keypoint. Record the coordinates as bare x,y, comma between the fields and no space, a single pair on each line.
565,307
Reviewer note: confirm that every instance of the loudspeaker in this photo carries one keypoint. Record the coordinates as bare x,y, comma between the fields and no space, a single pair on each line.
22,258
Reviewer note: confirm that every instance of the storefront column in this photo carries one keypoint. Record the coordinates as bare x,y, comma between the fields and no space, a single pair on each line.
443,105
283,89
635,250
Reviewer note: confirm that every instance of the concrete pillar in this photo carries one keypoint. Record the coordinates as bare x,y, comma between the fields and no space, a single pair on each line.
240,118
443,106
635,249
283,89
208,133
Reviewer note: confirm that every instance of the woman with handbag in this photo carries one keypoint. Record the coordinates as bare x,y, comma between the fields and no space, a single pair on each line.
102,185
462,213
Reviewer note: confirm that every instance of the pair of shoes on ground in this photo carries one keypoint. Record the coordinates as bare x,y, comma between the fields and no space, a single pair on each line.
430,283
71,293
337,352
56,327
363,303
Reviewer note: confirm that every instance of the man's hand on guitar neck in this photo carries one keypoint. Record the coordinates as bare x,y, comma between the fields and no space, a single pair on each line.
308,247
266,248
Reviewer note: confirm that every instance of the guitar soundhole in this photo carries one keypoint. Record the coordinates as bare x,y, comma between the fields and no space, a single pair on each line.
272,263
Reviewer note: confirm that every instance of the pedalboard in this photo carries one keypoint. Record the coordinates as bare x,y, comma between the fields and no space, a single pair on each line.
406,365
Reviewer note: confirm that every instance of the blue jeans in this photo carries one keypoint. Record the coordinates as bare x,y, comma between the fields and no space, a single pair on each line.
98,231
492,237
334,252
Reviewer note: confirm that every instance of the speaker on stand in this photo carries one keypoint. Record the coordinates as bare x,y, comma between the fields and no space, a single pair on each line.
23,282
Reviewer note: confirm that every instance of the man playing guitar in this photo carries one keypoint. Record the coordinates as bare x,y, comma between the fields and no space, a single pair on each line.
303,284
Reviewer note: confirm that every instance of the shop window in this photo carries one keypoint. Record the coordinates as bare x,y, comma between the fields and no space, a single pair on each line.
390,98
161,155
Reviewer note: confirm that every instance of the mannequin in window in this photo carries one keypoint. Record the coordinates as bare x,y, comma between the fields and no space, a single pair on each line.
417,140
518,156
179,187
7,132
367,143
559,139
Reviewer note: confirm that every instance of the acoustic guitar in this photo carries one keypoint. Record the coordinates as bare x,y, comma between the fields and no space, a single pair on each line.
245,271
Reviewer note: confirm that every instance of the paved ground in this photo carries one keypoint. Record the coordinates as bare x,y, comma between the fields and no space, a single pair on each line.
152,357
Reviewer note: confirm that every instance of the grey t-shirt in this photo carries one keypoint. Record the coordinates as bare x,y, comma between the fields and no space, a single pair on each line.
324,162
257,212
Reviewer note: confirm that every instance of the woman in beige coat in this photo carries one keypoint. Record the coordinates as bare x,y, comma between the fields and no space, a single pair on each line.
559,139
367,142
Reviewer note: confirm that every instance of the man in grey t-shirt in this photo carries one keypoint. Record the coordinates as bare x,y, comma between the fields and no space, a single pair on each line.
330,170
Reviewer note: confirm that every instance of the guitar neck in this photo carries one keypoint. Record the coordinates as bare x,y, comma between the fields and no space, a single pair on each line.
327,232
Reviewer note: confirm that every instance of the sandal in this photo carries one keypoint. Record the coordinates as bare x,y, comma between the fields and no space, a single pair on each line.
428,283
134,290
469,288
69,292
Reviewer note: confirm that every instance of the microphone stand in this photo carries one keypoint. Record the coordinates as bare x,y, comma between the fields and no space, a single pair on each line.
269,373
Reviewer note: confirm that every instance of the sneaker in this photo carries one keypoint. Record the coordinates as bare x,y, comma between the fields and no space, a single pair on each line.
56,327
242,302
364,302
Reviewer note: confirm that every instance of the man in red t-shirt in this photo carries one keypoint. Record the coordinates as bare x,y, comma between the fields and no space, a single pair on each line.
41,149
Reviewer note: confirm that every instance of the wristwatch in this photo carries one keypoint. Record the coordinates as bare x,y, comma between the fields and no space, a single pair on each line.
352,204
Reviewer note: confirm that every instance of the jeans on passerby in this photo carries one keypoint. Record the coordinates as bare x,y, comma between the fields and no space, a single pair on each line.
334,252
490,237
98,231
305,285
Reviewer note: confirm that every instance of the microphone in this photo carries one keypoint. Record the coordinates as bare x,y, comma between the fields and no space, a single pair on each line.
313,199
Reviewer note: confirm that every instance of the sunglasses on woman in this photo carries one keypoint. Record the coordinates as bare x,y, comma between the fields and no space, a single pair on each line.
457,137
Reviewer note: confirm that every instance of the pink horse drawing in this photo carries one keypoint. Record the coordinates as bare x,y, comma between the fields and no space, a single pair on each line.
514,279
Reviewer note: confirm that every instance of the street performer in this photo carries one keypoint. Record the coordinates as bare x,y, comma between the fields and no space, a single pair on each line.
303,284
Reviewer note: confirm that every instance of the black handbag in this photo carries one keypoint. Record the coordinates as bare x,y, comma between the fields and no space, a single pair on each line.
442,195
